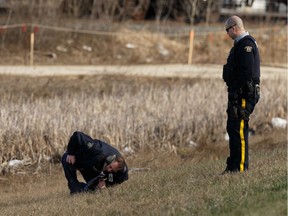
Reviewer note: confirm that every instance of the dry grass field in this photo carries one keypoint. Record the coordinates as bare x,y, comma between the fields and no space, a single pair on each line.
185,188
174,127
135,113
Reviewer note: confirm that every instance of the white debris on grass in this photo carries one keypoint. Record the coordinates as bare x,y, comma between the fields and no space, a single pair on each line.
87,48
15,163
192,143
128,150
279,122
162,50
130,46
61,48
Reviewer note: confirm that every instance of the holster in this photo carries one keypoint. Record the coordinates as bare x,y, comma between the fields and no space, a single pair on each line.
252,91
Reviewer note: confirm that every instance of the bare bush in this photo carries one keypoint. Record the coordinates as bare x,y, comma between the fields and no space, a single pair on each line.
29,10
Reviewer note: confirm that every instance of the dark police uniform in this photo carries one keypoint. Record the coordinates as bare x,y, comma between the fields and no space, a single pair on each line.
91,155
242,76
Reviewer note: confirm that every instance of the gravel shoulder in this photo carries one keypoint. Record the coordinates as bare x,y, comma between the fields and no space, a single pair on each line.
169,70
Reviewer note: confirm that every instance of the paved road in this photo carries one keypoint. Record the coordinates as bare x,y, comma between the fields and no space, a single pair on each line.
174,70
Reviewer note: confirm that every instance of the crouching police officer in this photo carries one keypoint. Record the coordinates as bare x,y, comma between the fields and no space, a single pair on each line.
242,76
100,164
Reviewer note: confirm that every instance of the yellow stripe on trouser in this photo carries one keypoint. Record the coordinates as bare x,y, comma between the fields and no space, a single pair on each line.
242,139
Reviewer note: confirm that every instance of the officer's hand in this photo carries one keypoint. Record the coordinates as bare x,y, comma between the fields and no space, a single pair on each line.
102,184
71,159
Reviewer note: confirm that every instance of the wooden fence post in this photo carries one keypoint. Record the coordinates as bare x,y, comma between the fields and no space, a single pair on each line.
190,57
32,49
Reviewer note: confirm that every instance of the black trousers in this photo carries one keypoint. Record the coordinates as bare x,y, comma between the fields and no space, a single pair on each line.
238,131
70,172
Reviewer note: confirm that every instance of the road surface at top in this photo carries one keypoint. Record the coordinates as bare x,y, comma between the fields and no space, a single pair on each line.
173,70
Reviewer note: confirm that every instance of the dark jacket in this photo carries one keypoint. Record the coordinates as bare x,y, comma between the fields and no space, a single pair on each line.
243,65
92,153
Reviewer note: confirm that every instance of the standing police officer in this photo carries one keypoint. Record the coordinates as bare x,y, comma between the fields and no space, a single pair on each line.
96,160
242,76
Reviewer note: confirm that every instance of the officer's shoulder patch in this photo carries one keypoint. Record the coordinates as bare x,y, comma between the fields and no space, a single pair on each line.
248,48
89,145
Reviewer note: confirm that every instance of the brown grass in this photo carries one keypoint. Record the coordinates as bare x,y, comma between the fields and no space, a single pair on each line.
150,47
157,117
171,187
142,113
